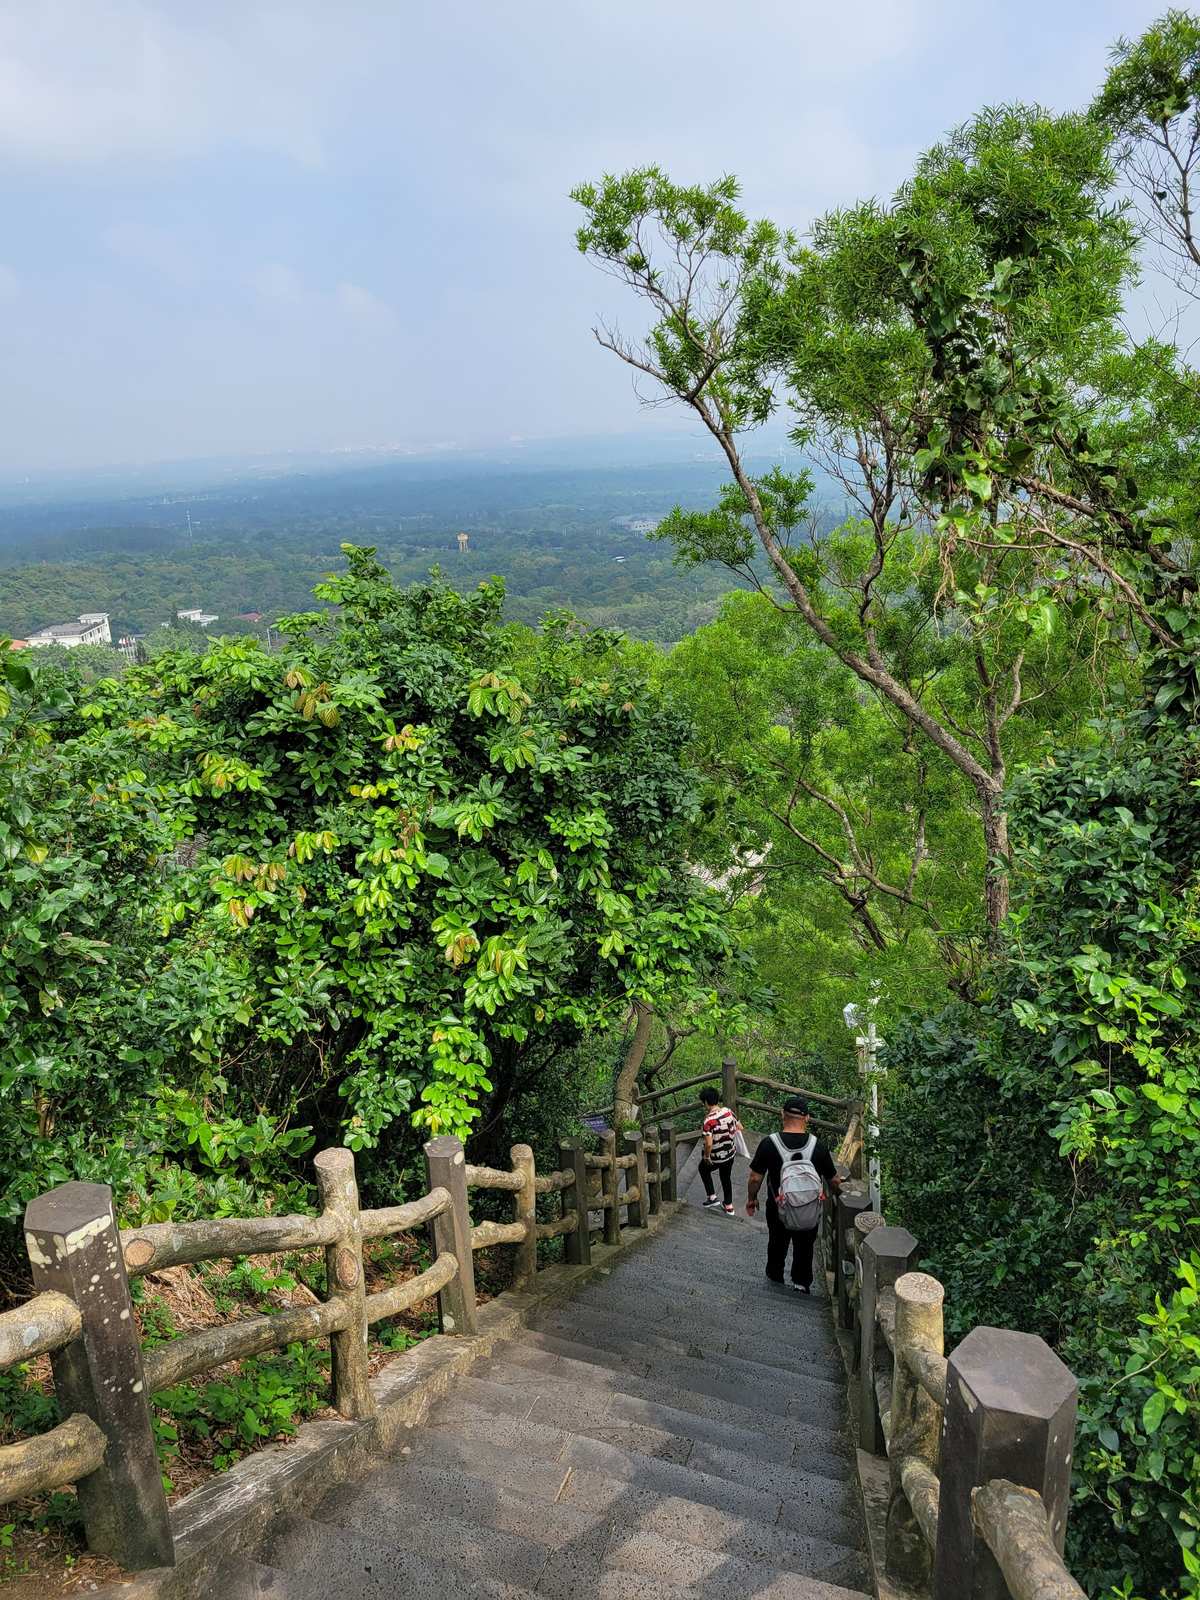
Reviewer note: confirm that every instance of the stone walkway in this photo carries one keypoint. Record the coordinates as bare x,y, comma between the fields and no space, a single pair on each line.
677,1429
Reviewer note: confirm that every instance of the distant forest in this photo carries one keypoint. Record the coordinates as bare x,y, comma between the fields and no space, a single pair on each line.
554,536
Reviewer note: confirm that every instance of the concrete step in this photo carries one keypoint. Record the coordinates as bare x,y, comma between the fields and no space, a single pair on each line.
825,1370
742,1411
487,1411
594,1475
699,1571
239,1579
637,1586
806,1502
322,1561
821,1407
717,1423
821,1358
454,1541
696,1277
404,1491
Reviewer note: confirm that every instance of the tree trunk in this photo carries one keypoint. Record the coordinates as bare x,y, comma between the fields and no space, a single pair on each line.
995,882
627,1074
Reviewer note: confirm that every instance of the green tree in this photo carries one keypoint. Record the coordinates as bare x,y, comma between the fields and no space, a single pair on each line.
935,353
430,848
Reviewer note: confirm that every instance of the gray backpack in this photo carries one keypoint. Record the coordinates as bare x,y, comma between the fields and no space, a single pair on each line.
798,1200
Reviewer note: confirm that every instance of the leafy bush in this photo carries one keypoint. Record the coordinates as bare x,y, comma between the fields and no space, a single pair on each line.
1069,1109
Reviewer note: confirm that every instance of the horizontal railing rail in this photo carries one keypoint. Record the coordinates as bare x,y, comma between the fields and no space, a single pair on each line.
83,1316
956,1429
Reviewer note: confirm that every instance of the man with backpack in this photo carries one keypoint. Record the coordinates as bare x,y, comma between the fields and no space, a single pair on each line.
796,1165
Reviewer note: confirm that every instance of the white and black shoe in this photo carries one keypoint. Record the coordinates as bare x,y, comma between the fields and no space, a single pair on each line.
711,1202
801,1288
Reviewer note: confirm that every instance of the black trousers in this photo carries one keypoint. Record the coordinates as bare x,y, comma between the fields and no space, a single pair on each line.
780,1240
724,1170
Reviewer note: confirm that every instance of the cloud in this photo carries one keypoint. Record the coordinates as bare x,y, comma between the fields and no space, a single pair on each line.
83,84
364,309
279,284
347,306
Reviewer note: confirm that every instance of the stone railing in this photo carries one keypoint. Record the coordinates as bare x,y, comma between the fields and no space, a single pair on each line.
82,1314
978,1444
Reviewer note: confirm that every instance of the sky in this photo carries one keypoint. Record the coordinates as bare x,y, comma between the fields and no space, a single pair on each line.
241,228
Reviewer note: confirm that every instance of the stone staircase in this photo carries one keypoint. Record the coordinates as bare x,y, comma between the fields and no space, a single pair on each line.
678,1428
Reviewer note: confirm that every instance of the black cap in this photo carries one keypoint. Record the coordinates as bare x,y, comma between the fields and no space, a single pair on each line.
795,1106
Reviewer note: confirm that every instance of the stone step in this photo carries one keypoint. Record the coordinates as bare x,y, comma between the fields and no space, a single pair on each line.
637,1586
239,1579
697,1570
825,1407
488,1413
785,1354
743,1411
694,1278
595,1475
812,1503
322,1562
717,1423
454,1541
769,1305
825,1369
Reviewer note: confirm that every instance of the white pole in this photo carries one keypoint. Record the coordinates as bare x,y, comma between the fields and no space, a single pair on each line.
869,1047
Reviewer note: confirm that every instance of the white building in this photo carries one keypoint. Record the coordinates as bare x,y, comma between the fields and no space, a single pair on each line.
91,628
196,615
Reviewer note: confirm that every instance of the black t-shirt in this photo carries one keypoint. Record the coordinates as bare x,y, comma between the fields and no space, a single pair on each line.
767,1159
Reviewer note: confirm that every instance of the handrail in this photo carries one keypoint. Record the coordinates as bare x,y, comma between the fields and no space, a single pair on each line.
82,1265
1013,1524
842,1102
174,1244
389,1220
47,1322
904,1414
494,1178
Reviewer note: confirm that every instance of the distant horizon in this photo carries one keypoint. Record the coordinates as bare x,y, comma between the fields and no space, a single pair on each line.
351,228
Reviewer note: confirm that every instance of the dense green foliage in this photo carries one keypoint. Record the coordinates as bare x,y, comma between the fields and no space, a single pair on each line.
373,882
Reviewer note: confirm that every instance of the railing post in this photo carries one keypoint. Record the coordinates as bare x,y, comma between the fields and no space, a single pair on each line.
852,1200
886,1254
445,1165
1010,1413
573,1158
526,1211
668,1133
633,1145
916,1424
729,1087
864,1223
338,1189
74,1248
610,1188
654,1176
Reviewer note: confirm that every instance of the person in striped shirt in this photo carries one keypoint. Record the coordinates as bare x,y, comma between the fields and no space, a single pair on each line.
720,1130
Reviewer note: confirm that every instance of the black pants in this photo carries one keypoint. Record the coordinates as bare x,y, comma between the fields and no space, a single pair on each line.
724,1170
779,1240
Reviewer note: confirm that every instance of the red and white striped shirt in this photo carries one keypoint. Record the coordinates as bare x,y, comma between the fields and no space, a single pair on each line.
721,1125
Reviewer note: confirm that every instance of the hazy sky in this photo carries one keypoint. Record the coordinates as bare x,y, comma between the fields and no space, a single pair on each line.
245,227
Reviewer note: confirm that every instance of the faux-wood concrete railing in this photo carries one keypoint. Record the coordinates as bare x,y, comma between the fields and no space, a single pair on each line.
83,1315
978,1445
843,1108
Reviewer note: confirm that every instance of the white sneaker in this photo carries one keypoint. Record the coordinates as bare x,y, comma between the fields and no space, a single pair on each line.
710,1202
